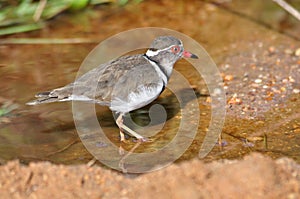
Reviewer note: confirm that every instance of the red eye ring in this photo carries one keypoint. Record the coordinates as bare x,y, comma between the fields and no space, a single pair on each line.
175,49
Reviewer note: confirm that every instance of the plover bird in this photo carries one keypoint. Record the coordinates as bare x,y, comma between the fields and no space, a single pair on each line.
126,83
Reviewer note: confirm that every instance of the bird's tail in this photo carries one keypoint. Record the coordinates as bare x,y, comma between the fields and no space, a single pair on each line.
43,97
62,94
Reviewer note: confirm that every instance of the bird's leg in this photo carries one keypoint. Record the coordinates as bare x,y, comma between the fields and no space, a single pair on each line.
122,127
119,122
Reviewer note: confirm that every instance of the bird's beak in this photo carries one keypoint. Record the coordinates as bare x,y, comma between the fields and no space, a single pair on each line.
187,54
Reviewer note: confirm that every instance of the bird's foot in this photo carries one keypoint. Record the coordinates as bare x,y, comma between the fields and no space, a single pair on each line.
143,139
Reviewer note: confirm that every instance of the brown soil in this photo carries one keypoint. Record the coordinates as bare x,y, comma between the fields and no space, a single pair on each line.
255,176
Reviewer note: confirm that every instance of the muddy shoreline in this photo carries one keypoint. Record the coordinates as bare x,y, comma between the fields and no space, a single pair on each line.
256,176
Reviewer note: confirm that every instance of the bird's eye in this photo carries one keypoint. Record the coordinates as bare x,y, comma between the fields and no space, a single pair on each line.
175,49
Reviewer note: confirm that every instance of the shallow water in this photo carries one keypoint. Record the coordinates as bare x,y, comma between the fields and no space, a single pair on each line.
47,132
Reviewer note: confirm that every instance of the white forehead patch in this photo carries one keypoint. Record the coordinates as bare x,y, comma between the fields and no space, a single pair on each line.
151,53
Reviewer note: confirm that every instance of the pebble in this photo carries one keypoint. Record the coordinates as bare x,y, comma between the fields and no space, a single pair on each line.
271,49
291,79
254,85
204,91
282,89
228,77
265,86
297,52
296,91
235,100
258,81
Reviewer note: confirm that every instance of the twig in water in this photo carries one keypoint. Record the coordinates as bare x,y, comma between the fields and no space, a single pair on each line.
63,149
288,8
91,162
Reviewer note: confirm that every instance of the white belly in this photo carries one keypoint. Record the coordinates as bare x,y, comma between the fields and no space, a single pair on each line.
137,99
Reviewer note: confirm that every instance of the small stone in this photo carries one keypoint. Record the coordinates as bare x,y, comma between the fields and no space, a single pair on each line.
265,86
291,79
235,100
258,81
297,52
254,85
296,91
228,77
271,49
269,96
278,61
